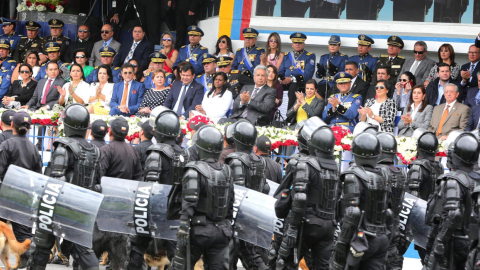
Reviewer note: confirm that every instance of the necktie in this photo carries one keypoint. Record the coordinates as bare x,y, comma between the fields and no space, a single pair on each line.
125,93
414,67
442,120
472,68
44,99
130,54
255,91
180,101
104,44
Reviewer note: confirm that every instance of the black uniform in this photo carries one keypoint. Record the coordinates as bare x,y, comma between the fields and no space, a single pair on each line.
473,260
273,171
19,151
364,10
294,8
192,150
98,142
395,66
141,149
24,45
64,44
120,160
5,135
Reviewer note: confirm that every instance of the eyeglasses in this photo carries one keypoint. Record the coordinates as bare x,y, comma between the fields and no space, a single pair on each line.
127,72
403,80
473,52
418,52
79,56
105,32
273,40
223,41
167,39
134,65
381,87
24,71
84,31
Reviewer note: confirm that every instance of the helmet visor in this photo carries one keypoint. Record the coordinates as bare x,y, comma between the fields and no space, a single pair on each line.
156,112
451,139
310,126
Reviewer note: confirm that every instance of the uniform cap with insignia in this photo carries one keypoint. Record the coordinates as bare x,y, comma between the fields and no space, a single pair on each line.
208,58
365,40
343,77
334,40
32,26
7,117
298,37
195,31
52,47
99,128
249,32
119,126
224,61
395,41
263,144
22,118
107,51
4,44
157,57
54,23
6,21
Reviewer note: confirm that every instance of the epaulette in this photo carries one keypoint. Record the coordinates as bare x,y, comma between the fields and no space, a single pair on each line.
43,64
65,64
342,54
148,73
286,53
259,48
383,55
183,46
310,53
355,96
24,37
168,74
401,57
203,48
117,68
234,71
11,61
239,49
199,76
332,95
95,67
374,56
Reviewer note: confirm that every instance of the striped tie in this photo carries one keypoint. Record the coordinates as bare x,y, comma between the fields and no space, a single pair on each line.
130,54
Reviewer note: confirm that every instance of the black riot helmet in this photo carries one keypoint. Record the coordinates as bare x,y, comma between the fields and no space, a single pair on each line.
366,149
302,142
323,141
244,135
209,142
76,120
389,146
427,146
166,124
463,152
229,134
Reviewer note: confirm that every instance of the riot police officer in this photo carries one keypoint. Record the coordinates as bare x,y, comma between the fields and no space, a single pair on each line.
249,171
56,29
396,179
314,194
53,50
450,208
206,206
297,67
31,42
367,63
236,79
107,54
363,239
248,57
77,162
6,62
331,63
473,260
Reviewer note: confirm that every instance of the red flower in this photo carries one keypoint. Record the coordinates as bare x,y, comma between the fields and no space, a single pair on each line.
184,131
441,154
29,4
52,7
36,3
197,119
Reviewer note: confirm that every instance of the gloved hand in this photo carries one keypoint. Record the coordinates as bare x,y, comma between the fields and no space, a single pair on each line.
332,68
439,249
291,236
321,72
183,233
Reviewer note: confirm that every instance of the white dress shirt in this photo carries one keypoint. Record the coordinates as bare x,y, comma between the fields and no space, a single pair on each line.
184,88
82,90
218,106
450,106
107,91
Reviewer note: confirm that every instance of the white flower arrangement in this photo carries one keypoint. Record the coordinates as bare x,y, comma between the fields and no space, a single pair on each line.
58,9
22,6
41,8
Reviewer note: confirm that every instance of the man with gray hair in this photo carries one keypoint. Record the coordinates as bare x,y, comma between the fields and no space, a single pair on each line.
255,101
420,65
449,116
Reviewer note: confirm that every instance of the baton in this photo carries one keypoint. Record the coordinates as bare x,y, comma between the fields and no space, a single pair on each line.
188,246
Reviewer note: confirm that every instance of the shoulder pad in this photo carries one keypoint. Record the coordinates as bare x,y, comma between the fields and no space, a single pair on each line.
183,46
71,143
23,37
312,161
259,48
117,68
286,53
239,49
199,166
401,57
357,170
355,96
199,76
383,55
43,64
474,175
164,148
203,48
234,71
342,54
374,56
95,67
460,176
11,61
237,155
310,53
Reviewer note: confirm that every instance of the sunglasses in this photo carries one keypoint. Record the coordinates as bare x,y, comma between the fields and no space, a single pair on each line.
403,80
223,41
418,52
105,31
84,31
79,56
127,72
379,87
134,65
167,39
24,71
273,40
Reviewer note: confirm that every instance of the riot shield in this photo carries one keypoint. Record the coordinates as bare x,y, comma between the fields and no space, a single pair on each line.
47,204
255,219
135,208
273,187
412,218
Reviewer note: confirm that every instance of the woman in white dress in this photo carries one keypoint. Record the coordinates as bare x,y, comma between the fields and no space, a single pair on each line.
75,91
101,92
218,101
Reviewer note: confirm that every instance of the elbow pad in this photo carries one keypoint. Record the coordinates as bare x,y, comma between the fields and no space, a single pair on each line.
238,173
351,191
190,186
59,163
153,167
452,196
414,177
301,178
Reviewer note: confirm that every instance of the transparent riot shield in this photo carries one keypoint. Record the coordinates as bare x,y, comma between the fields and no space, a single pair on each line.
47,204
273,187
158,211
412,217
255,219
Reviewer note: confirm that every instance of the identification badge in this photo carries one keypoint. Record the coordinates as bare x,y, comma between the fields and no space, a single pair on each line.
396,66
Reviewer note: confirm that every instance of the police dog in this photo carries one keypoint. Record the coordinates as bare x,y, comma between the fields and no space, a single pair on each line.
113,243
9,243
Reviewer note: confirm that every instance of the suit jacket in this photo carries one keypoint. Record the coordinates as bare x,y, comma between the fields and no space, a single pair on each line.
472,82
52,96
142,52
87,45
470,97
421,120
473,119
315,108
359,87
193,97
457,118
422,71
432,92
260,105
137,90
95,55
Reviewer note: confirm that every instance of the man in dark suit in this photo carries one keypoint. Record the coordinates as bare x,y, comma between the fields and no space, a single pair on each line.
358,86
185,94
255,100
83,41
127,95
138,48
473,119
420,65
473,95
469,70
46,94
435,89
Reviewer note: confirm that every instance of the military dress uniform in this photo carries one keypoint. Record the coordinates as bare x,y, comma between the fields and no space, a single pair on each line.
331,63
299,66
116,72
51,47
394,63
192,53
14,38
62,40
248,58
367,63
26,44
206,79
5,81
7,63
346,113
157,58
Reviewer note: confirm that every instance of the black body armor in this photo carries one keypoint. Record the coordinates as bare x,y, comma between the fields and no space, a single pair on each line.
248,170
396,179
422,177
153,163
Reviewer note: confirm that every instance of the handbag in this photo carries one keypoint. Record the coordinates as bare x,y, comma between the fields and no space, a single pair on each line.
278,120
